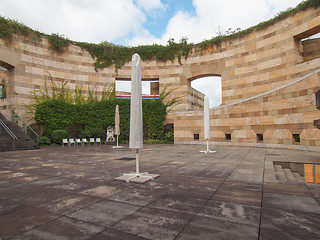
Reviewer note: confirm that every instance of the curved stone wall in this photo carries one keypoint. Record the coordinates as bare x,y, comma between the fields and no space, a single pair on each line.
259,62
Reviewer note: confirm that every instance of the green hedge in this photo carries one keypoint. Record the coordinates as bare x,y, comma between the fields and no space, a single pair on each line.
57,115
58,135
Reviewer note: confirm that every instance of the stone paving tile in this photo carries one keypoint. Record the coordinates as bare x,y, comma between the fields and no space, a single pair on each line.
113,234
241,185
314,189
7,206
103,191
291,223
68,204
154,223
22,219
104,213
192,191
71,193
232,212
62,228
290,189
140,195
208,228
178,203
238,196
33,196
271,234
291,202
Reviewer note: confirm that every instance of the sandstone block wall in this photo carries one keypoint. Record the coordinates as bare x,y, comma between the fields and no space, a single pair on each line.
261,61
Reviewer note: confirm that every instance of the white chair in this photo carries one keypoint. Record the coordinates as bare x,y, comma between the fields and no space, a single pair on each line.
78,142
71,141
91,141
84,141
98,140
65,141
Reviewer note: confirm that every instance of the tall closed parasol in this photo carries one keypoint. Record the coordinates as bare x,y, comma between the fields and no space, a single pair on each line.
117,125
136,124
206,123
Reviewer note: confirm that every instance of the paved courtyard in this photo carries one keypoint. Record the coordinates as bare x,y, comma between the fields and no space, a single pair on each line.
70,193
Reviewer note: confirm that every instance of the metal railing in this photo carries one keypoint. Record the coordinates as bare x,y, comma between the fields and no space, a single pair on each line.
27,129
11,134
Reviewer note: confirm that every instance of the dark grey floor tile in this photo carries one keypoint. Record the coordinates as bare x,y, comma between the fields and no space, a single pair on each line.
23,219
290,189
62,228
291,223
104,213
153,223
208,228
232,212
238,196
291,202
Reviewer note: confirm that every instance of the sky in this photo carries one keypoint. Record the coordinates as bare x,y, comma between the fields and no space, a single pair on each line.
144,22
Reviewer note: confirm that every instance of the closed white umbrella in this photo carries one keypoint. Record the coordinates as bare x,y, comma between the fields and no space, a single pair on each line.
117,125
206,123
136,121
206,119
136,124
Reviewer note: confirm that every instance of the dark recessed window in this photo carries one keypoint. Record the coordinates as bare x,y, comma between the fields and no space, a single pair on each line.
228,136
296,137
196,136
260,137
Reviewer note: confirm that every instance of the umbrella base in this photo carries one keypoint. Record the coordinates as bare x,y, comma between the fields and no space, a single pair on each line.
137,177
208,151
117,147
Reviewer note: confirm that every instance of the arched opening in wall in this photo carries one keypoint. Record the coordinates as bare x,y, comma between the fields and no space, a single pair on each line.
3,82
309,44
206,86
150,87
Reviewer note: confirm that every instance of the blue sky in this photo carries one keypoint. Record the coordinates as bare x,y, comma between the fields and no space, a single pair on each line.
141,22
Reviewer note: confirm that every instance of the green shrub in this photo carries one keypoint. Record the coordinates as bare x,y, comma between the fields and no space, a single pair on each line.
44,140
58,135
169,137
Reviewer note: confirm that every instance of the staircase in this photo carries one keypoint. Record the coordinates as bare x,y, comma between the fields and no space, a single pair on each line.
8,143
286,175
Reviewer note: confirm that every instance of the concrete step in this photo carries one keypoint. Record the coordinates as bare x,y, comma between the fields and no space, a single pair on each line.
280,176
23,142
298,177
289,175
269,173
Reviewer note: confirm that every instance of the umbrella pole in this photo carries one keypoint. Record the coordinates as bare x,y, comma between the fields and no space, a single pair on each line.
117,141
208,151
137,162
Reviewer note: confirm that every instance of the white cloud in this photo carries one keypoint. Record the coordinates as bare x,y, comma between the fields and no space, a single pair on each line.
80,20
214,15
148,5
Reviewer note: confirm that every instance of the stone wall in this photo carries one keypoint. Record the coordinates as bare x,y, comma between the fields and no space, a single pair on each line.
311,49
259,62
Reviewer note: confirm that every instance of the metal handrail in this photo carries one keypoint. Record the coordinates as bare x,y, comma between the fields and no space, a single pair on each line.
14,114
8,130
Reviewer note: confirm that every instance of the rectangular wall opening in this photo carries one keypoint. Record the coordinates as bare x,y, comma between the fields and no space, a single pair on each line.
260,137
228,137
296,138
